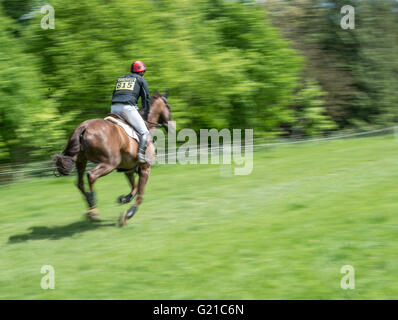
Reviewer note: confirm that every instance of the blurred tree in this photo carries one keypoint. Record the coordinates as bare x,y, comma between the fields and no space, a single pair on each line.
357,68
17,8
310,118
224,63
29,123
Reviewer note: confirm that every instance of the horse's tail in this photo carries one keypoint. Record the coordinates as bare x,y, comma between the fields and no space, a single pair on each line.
65,162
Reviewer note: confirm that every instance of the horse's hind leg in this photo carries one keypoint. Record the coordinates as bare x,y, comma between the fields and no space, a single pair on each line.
81,163
127,198
143,179
100,170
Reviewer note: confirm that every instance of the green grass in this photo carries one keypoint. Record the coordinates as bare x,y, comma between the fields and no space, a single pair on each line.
283,232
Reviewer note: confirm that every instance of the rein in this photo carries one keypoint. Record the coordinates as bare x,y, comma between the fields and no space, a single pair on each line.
157,125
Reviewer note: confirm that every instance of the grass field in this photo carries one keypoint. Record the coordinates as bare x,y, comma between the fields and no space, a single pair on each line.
283,232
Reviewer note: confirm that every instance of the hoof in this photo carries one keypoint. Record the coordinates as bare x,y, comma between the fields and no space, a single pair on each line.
129,214
125,199
92,215
122,220
121,200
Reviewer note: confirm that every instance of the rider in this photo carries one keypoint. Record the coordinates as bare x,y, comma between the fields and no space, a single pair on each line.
124,102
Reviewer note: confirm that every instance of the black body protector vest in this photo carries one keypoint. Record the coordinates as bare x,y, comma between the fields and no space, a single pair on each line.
129,88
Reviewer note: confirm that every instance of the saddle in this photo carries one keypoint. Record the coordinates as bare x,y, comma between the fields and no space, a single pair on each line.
130,131
119,121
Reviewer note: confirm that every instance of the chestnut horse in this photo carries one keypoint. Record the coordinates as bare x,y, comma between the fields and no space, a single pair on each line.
106,144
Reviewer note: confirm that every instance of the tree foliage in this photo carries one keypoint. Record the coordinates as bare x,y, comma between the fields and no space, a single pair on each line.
29,122
357,67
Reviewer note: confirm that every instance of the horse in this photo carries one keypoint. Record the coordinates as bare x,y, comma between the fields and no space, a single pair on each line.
108,145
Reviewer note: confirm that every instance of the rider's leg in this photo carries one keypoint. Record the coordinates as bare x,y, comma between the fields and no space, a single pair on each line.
131,114
142,148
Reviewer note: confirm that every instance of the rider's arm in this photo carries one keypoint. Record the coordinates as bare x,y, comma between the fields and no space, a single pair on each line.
145,98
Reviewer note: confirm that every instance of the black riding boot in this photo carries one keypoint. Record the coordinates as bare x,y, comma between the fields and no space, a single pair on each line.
142,148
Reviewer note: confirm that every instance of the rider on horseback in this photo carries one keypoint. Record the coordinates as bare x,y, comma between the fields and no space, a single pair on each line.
124,103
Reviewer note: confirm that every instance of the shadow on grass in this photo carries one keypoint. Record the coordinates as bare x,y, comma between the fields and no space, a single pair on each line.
58,232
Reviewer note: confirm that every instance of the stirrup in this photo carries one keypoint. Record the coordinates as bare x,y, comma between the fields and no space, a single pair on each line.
142,159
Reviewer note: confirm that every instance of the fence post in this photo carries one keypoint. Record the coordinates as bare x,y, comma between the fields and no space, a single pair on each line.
396,133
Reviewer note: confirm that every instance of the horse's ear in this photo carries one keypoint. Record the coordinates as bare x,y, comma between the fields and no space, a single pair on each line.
166,94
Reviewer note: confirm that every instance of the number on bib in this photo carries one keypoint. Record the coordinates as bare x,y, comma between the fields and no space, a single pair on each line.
125,84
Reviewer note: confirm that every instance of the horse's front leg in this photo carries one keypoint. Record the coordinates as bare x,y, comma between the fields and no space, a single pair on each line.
144,172
129,197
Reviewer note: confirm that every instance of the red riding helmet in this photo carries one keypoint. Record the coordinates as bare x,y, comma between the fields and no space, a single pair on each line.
138,66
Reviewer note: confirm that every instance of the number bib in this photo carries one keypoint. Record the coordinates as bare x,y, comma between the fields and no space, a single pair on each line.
125,84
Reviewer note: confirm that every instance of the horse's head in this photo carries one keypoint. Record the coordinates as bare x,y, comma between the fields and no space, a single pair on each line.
161,111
